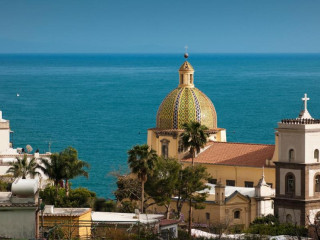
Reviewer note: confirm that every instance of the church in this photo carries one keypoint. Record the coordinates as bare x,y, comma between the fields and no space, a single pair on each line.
249,171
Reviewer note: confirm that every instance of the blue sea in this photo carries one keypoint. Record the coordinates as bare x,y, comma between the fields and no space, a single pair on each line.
103,104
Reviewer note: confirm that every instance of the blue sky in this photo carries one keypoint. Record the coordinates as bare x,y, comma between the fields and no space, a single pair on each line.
147,26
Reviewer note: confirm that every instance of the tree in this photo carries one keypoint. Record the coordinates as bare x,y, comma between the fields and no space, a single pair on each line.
142,162
54,168
161,186
190,183
23,167
74,166
194,138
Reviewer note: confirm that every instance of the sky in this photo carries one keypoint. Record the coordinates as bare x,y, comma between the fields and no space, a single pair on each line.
166,26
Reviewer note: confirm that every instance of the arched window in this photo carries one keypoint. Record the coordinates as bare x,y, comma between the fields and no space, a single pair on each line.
288,218
290,183
191,78
181,78
165,148
236,214
291,155
317,183
316,155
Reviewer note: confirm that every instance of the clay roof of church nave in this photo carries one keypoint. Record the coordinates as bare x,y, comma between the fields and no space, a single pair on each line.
235,154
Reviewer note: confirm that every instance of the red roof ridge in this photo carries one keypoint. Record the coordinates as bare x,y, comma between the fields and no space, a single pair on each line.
259,144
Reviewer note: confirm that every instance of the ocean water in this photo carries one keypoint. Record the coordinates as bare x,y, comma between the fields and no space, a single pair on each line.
103,104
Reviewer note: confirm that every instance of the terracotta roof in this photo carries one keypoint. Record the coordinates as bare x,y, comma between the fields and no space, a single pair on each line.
168,222
238,154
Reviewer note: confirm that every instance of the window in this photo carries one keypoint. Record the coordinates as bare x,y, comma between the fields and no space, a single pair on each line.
230,182
248,184
165,148
208,216
291,155
212,180
180,146
288,218
236,214
316,155
181,78
290,183
270,184
317,183
191,78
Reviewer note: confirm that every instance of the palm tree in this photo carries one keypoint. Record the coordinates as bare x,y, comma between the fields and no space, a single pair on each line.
54,168
23,167
142,162
194,138
74,166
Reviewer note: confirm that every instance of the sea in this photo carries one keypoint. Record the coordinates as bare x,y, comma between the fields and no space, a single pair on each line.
103,104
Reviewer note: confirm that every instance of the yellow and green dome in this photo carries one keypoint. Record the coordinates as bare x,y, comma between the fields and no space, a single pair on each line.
185,104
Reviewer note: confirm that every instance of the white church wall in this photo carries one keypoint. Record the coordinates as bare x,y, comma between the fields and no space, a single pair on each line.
291,140
297,174
312,142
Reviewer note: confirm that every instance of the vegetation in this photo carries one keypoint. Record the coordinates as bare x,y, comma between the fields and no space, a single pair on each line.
270,225
63,166
5,186
162,185
79,197
194,138
142,162
74,166
24,167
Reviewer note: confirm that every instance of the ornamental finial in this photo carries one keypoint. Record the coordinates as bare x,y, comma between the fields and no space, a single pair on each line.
186,55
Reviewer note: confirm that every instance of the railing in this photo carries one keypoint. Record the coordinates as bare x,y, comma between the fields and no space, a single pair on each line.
301,121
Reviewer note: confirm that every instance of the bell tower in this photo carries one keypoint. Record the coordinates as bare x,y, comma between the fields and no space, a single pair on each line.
297,198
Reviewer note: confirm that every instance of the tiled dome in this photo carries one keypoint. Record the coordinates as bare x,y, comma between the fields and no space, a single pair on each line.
183,105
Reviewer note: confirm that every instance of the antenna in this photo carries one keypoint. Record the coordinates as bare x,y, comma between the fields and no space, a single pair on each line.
49,144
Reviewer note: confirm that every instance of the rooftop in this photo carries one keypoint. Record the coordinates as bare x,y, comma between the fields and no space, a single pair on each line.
63,212
235,154
115,217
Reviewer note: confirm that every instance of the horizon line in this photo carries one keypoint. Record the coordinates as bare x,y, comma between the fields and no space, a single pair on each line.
158,53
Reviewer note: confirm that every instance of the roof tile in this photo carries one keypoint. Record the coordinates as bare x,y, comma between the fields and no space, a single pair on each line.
238,154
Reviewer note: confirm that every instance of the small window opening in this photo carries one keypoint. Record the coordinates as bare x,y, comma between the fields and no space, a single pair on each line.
290,183
236,214
288,218
291,155
165,148
316,155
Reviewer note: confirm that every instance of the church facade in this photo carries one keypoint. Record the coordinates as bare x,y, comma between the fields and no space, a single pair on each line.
298,169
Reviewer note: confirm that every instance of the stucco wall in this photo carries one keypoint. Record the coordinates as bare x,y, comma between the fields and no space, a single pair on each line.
18,223
240,174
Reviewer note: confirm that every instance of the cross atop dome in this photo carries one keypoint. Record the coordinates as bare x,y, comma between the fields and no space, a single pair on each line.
304,114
